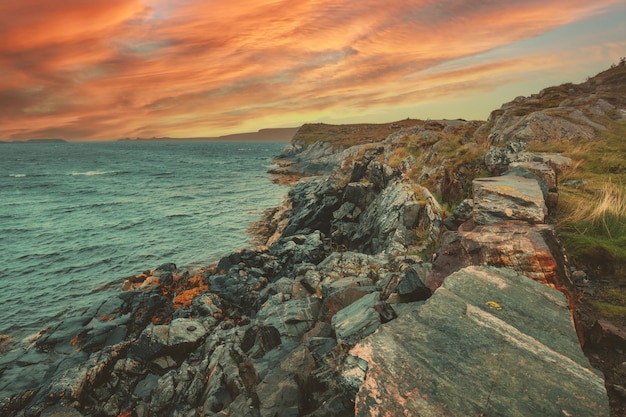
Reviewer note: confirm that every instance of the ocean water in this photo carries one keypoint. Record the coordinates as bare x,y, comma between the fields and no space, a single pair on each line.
78,218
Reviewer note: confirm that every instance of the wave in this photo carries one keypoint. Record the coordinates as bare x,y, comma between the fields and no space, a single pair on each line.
17,175
91,173
169,216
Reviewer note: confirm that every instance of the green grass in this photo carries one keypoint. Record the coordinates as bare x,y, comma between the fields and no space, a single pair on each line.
592,218
611,303
609,310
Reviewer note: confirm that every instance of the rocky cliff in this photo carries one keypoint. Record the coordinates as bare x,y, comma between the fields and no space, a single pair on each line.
413,270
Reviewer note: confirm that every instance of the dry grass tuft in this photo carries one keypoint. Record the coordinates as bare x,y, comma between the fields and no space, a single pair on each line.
605,211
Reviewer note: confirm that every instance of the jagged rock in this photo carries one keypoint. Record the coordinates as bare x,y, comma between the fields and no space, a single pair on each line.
313,201
318,158
388,222
358,193
412,286
279,392
298,249
258,340
488,342
508,197
462,213
361,318
381,175
70,383
498,159
273,333
292,318
179,337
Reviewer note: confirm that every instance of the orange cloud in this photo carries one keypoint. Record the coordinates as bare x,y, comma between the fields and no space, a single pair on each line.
93,69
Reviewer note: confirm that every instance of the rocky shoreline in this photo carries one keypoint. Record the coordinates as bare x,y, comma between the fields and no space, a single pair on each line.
330,318
366,298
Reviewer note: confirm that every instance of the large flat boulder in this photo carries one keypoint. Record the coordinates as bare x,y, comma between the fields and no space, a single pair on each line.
508,197
487,343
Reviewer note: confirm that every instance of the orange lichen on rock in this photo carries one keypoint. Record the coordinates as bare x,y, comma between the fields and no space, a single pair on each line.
184,298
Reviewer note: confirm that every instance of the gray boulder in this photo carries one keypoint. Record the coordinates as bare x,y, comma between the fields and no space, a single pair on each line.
178,338
508,198
487,343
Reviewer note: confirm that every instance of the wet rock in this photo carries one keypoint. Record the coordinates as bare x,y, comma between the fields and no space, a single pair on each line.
488,342
5,342
508,197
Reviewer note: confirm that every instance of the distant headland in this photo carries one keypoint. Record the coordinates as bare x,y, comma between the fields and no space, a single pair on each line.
268,135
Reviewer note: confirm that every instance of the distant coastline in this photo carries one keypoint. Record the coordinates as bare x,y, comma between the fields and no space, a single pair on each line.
42,140
268,135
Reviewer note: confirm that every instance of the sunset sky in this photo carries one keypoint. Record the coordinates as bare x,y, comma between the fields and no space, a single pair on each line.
107,69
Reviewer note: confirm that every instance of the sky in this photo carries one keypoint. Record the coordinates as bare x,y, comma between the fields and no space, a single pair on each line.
108,69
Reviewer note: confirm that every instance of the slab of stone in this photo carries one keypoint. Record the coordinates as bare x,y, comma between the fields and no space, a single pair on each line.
487,343
508,198
530,250
359,319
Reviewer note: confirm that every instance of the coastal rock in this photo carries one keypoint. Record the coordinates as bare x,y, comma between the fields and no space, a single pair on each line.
530,250
389,221
280,393
178,338
361,318
299,249
508,197
291,318
413,285
313,201
488,342
544,125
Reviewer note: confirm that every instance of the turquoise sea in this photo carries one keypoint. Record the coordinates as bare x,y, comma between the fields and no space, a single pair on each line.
78,218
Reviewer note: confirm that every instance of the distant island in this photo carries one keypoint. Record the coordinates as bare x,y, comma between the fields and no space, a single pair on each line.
268,135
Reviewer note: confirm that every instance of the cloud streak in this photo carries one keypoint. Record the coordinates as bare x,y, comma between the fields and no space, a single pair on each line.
96,69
